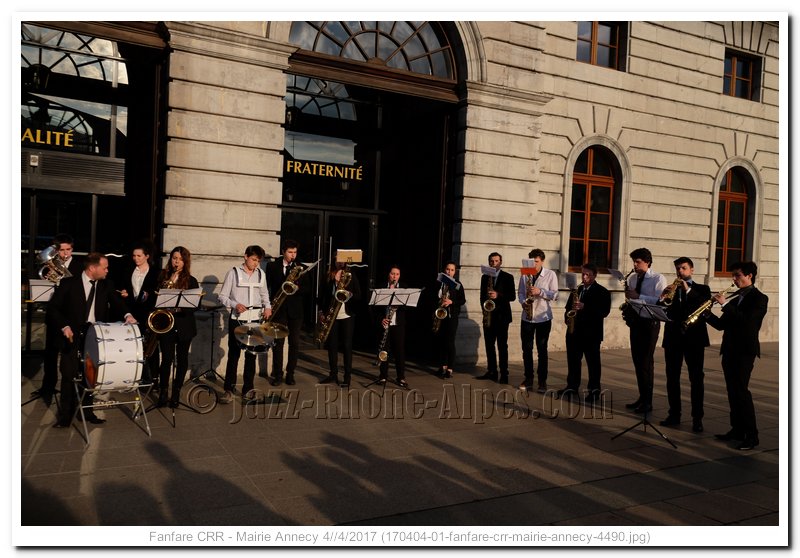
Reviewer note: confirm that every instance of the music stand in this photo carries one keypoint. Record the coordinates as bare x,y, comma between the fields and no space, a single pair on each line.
393,297
41,290
646,311
172,299
211,373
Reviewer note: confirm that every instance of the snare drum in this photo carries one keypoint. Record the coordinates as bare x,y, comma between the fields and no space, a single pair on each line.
113,356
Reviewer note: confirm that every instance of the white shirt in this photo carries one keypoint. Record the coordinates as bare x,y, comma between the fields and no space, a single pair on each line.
653,285
541,311
137,280
247,290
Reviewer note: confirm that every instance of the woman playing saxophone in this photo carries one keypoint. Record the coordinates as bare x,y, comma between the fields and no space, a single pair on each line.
451,299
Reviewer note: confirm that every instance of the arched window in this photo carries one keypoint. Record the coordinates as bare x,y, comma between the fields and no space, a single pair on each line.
592,209
732,219
414,46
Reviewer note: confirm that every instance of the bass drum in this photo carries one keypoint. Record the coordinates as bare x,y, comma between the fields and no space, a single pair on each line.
113,356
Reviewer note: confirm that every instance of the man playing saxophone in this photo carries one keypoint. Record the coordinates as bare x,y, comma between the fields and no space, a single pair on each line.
589,304
495,332
537,289
451,299
290,313
244,291
339,300
680,343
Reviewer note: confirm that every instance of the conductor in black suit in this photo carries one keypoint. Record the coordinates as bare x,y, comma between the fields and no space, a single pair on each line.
590,303
82,298
740,323
289,314
502,292
53,338
685,344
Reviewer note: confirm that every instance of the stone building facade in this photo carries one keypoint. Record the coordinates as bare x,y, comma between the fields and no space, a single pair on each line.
520,111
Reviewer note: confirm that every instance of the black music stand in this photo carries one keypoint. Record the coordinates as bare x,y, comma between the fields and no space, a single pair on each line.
211,373
41,290
392,297
171,299
647,312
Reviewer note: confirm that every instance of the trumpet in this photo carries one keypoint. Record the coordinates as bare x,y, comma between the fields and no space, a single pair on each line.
441,311
669,292
53,269
488,305
694,316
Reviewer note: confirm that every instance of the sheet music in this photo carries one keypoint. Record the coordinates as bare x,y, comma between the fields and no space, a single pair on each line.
394,297
489,270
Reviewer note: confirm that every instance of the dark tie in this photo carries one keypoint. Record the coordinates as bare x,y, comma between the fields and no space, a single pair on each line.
286,271
90,300
639,281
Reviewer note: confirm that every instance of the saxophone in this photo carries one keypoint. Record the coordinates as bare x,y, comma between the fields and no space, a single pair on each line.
488,304
528,304
341,296
159,322
669,292
383,354
572,313
288,288
441,312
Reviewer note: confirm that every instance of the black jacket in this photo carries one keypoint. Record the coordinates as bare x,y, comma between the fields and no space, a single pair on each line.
67,307
292,306
589,320
740,323
506,294
680,309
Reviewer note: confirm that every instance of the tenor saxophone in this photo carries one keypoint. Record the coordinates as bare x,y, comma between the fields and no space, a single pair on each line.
572,313
488,305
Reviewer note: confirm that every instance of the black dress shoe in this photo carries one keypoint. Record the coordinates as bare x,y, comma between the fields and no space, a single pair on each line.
275,381
290,381
162,399
747,444
697,425
62,424
503,380
329,380
402,383
671,420
488,376
729,435
94,419
345,383
566,393
632,405
592,396
642,409
173,403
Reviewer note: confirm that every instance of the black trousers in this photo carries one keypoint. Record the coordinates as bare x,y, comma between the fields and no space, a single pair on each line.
174,348
446,341
644,337
496,334
579,347
232,366
294,326
341,335
737,370
674,357
397,350
52,347
70,367
540,332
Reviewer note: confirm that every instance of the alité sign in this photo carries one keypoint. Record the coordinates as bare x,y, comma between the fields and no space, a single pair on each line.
48,137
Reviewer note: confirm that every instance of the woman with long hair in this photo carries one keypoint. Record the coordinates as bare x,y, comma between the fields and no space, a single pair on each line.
175,343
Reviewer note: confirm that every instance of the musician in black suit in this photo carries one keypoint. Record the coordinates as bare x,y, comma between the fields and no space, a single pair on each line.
450,299
139,293
175,343
53,338
289,314
395,325
687,344
343,327
85,297
740,323
502,292
590,303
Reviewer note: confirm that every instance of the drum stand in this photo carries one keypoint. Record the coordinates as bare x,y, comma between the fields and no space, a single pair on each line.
137,402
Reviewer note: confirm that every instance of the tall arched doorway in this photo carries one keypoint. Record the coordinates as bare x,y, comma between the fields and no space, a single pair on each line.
368,161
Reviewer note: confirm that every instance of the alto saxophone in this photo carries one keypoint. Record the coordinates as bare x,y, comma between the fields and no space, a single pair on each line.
441,312
669,292
572,313
528,304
